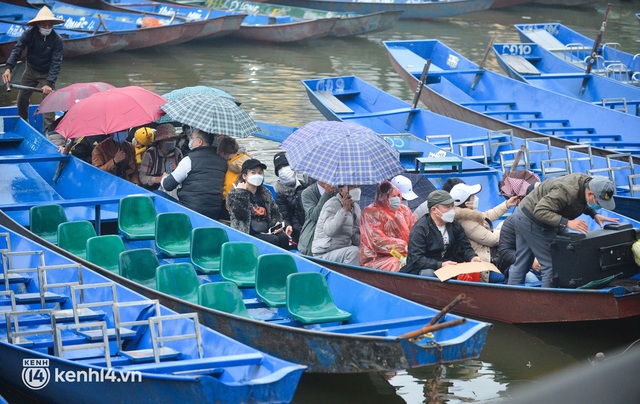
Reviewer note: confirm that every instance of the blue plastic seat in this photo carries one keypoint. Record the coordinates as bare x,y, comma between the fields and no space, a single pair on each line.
238,262
206,246
179,280
309,299
271,278
44,221
73,236
105,251
137,217
173,234
139,266
223,296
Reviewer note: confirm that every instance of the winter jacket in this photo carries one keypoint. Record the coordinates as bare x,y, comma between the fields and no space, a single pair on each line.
557,200
312,203
426,246
234,167
154,164
201,174
44,53
507,244
240,208
289,201
102,157
336,228
476,228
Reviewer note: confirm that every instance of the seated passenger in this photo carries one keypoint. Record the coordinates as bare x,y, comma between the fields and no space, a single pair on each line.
437,240
384,230
160,157
252,208
477,225
288,189
313,199
117,156
229,150
337,234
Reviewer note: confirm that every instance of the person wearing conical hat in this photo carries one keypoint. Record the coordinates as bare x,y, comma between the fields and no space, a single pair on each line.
44,60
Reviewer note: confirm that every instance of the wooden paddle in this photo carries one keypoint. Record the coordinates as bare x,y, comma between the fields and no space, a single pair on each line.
21,87
432,326
594,51
483,62
416,96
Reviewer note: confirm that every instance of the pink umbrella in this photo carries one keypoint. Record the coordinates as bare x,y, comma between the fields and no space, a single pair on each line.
64,98
111,111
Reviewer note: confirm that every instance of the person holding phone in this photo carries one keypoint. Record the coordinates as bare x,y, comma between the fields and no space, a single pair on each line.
252,208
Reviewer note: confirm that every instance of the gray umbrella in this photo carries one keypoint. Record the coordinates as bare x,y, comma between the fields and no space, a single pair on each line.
212,114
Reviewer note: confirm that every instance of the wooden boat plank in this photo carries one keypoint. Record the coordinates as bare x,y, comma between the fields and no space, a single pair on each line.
521,65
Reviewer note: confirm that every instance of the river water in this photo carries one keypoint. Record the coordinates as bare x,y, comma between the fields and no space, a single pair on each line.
266,78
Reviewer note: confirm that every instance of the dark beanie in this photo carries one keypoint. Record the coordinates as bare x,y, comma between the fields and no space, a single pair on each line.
279,161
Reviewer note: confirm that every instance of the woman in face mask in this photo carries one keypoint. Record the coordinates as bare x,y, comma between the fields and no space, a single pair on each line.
161,157
385,226
251,206
478,225
117,156
437,239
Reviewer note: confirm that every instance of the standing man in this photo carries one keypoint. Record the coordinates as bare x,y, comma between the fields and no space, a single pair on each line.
551,208
44,59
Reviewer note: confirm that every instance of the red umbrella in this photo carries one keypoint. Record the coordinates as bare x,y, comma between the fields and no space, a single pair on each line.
111,111
64,98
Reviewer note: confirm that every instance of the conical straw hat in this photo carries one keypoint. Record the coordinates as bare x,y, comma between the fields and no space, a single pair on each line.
45,14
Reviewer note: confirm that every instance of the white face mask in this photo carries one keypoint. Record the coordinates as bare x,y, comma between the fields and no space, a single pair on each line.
475,203
255,179
45,31
191,147
448,216
355,194
394,202
287,176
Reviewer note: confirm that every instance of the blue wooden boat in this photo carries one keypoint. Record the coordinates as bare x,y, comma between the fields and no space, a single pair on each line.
75,43
576,48
64,323
354,100
532,63
410,9
348,24
219,22
372,340
161,30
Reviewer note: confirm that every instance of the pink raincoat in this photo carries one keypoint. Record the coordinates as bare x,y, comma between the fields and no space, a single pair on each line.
382,229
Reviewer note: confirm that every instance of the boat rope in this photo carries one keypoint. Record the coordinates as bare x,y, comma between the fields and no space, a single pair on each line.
600,357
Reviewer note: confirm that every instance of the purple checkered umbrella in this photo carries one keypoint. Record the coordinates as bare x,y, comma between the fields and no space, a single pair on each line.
212,114
341,153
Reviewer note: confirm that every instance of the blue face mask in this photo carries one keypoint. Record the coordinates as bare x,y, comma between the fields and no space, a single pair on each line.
595,206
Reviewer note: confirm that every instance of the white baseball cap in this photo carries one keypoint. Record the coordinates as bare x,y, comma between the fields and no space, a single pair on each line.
461,192
405,186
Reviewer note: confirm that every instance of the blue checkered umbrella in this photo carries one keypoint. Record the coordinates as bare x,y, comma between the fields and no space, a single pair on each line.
212,114
183,92
341,153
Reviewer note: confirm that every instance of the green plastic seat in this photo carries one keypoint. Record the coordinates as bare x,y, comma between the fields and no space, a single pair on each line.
309,299
73,236
271,278
206,244
44,221
137,217
173,234
139,266
223,296
238,262
179,280
105,251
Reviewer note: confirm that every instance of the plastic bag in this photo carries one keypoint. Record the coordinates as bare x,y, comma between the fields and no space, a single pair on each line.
636,252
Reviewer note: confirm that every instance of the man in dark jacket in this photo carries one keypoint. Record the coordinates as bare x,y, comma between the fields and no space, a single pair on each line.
436,240
551,208
201,174
288,189
44,59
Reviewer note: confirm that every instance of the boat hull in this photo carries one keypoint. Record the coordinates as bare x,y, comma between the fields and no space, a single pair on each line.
289,32
419,11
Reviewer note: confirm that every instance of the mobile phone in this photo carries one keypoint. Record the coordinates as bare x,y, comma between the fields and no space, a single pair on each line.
276,227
